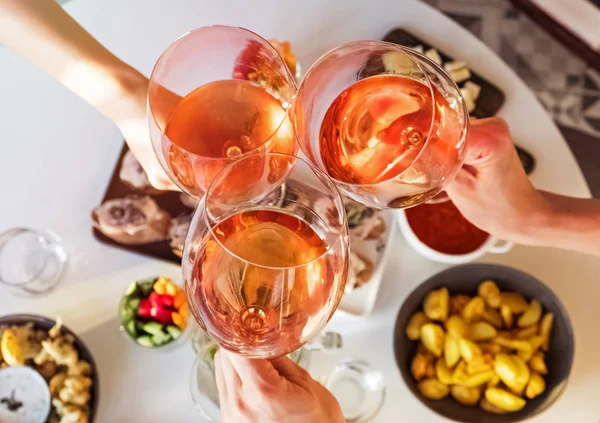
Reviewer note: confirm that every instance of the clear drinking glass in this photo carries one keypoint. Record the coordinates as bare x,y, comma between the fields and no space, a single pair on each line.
216,94
265,267
31,262
385,122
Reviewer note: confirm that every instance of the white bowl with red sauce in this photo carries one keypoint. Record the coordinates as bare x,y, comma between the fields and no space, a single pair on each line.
440,233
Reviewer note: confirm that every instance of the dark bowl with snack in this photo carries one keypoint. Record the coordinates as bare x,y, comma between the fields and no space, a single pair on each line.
484,342
59,356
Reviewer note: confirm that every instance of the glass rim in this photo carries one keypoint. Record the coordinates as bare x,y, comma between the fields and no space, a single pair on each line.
288,76
408,51
6,237
337,199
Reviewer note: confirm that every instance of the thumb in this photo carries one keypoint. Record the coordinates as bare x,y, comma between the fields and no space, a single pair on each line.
289,370
253,371
488,140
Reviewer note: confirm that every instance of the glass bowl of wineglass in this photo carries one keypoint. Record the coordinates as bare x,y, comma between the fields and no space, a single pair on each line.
216,94
385,122
265,267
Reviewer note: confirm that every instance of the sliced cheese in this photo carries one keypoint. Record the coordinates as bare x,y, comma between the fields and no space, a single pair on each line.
418,48
434,56
473,89
468,99
460,75
398,62
454,66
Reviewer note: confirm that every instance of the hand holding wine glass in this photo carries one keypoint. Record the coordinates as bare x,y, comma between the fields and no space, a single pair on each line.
271,391
494,193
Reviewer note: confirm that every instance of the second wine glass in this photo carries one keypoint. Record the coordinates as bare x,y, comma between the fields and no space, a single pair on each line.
385,122
266,256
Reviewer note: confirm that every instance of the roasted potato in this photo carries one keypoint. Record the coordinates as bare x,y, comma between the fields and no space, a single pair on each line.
418,366
490,408
507,316
430,369
432,336
473,310
477,379
535,342
443,373
493,317
506,368
464,395
527,332
451,351
513,371
433,389
504,399
482,331
536,386
488,347
490,292
457,303
437,305
513,344
479,364
494,381
545,328
538,364
531,316
457,327
514,301
413,329
468,349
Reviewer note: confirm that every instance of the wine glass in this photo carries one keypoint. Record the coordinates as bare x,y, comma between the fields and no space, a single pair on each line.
216,94
385,122
265,268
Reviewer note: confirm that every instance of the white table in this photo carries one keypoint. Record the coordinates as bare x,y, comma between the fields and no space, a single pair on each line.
58,154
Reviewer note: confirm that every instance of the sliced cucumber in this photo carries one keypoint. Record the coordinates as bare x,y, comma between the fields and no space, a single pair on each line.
161,338
147,286
125,313
139,325
132,290
130,328
134,305
153,328
145,341
174,331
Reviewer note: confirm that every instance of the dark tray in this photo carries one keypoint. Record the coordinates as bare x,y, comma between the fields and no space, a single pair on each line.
490,99
168,201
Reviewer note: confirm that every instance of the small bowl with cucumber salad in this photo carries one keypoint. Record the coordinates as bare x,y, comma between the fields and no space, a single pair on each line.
154,313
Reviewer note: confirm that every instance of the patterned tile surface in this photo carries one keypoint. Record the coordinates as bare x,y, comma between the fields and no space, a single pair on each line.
567,88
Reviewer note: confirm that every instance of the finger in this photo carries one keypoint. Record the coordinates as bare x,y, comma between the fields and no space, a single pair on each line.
253,371
230,379
485,138
290,370
220,378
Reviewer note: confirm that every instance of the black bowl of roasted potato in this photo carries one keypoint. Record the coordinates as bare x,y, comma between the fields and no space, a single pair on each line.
60,357
484,343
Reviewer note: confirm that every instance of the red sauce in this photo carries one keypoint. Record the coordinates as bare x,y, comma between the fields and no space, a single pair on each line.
443,228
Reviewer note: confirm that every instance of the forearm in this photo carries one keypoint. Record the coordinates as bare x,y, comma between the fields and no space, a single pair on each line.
569,223
43,33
